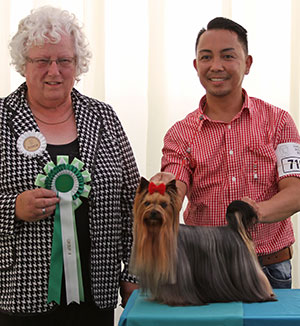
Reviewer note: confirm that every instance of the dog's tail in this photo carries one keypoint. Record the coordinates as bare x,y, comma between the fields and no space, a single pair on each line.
240,217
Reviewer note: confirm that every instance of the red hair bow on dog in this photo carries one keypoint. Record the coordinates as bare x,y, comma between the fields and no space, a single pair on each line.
161,188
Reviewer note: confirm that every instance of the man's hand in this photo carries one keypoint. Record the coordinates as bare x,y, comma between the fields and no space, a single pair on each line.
282,205
166,177
162,177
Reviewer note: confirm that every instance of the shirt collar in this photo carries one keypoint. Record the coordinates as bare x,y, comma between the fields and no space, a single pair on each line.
247,105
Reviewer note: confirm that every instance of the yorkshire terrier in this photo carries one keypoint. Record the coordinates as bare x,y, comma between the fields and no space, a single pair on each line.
194,265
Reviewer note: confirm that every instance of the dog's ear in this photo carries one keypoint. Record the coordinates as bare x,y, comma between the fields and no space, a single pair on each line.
144,183
171,186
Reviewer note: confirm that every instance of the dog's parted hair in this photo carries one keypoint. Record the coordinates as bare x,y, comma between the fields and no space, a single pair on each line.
193,265
155,235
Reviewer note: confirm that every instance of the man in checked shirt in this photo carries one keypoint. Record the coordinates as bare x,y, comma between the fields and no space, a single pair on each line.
236,147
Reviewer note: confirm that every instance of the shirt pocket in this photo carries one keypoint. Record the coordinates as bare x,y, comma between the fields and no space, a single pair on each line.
261,166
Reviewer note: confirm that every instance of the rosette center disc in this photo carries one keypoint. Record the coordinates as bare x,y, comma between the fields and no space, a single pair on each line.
64,183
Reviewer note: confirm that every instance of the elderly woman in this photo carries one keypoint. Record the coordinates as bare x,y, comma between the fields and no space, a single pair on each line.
54,139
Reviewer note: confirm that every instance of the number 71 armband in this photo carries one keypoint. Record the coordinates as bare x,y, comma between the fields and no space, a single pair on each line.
288,159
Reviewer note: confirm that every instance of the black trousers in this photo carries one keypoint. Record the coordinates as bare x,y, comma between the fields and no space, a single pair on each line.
84,314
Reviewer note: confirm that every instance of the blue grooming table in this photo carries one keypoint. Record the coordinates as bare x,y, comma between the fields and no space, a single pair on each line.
139,311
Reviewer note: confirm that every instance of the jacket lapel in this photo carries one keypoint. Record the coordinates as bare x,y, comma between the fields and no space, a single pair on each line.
89,128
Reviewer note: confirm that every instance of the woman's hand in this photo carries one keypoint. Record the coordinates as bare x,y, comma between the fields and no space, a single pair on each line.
126,288
34,205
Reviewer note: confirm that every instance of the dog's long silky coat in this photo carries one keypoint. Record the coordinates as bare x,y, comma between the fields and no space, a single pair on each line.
193,265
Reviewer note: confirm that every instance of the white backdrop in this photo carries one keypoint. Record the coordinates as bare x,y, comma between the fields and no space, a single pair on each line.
142,60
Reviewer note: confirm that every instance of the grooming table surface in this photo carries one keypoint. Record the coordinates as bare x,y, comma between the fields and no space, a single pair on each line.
139,311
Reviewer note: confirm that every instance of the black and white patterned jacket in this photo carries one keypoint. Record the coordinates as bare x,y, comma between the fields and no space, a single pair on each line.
25,248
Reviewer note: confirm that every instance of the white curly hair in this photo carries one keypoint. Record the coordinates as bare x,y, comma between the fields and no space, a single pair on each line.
47,24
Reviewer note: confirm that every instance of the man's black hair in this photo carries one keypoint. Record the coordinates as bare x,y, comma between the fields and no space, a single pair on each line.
230,25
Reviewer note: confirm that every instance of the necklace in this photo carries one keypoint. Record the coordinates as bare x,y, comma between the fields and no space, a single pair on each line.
55,123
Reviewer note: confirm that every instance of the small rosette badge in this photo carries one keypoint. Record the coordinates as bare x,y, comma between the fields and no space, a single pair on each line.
69,182
31,143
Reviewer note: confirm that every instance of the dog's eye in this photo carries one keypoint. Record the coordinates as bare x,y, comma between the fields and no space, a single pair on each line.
163,204
146,203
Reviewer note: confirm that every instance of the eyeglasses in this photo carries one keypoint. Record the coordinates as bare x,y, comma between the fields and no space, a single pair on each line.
44,62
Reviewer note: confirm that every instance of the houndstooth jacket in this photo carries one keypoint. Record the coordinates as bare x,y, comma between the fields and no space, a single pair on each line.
25,248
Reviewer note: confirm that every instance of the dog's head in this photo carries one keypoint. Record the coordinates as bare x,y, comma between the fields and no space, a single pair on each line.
156,205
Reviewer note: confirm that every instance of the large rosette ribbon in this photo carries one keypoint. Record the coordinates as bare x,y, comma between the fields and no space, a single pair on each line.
69,182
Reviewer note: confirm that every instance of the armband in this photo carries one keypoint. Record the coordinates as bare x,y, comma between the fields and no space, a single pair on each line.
288,159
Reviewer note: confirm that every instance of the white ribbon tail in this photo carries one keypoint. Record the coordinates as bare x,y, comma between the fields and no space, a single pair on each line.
69,249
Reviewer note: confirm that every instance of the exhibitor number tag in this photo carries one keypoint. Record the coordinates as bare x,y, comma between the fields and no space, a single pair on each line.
288,159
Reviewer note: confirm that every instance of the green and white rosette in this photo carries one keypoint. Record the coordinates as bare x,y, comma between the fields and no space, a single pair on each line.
69,182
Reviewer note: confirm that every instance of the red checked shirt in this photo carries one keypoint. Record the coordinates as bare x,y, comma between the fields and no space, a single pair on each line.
221,162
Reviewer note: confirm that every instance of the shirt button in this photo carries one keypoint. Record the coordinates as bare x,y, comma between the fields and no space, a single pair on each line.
229,126
233,179
231,152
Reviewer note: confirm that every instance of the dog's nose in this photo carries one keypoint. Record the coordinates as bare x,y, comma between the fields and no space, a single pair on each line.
155,214
154,217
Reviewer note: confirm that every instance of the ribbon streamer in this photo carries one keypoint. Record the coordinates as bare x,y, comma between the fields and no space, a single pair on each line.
69,183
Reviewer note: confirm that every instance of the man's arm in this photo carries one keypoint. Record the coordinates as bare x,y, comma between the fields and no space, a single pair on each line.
281,206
